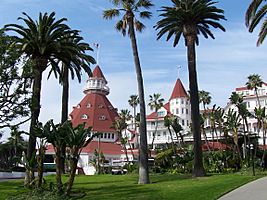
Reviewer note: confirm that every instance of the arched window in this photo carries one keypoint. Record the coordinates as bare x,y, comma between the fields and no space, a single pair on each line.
84,116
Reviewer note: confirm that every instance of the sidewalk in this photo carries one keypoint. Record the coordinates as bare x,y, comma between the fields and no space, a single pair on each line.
256,190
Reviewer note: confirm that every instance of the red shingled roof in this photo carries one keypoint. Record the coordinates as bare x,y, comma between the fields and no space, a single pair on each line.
153,115
105,147
245,88
97,73
215,146
178,90
99,111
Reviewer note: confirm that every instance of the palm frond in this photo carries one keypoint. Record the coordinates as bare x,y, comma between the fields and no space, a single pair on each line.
111,13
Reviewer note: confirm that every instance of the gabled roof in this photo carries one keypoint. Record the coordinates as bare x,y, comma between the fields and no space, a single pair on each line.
153,115
178,90
96,111
97,73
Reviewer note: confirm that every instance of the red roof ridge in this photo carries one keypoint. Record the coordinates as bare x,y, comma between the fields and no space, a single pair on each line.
178,90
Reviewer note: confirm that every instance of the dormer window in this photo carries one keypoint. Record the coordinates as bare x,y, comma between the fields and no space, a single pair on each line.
88,105
84,116
100,106
78,106
102,117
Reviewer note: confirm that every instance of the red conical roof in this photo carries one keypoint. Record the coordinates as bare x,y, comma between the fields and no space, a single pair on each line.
178,90
97,73
96,111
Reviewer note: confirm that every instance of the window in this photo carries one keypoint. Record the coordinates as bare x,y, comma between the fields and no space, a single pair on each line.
84,116
182,101
182,122
187,111
88,105
182,111
100,106
161,113
105,135
152,123
187,122
172,111
177,101
78,106
108,135
177,110
164,133
101,135
102,117
112,135
186,102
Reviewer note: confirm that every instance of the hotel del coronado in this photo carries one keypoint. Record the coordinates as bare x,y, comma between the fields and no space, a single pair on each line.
96,111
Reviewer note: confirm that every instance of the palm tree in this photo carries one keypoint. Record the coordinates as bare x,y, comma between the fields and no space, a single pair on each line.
255,13
254,82
155,103
129,23
232,123
119,125
168,123
191,18
204,98
80,61
45,42
133,102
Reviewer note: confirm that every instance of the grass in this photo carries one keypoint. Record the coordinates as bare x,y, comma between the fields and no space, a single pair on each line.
163,187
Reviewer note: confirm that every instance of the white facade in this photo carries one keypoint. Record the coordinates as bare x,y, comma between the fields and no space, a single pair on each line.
178,105
251,102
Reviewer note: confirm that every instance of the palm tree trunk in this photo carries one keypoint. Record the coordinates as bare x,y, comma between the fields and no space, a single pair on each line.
198,170
143,151
64,110
58,169
154,135
73,165
173,147
35,111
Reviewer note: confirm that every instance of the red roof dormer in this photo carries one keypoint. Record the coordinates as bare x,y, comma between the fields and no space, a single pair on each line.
178,90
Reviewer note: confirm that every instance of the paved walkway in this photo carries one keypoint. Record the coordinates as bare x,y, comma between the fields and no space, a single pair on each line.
256,190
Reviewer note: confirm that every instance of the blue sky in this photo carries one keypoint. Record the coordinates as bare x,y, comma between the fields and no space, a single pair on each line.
223,64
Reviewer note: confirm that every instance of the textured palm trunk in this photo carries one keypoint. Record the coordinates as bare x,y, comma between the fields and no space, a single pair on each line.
198,170
173,147
143,151
35,111
40,161
154,134
73,168
64,110
58,169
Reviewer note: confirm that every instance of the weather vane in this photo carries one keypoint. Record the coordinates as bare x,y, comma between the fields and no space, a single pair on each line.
97,46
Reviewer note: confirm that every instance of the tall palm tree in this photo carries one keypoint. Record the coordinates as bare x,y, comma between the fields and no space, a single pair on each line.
254,82
45,43
155,103
133,102
129,23
254,15
191,18
80,61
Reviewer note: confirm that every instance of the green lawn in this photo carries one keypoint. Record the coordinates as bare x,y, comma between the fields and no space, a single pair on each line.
163,187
